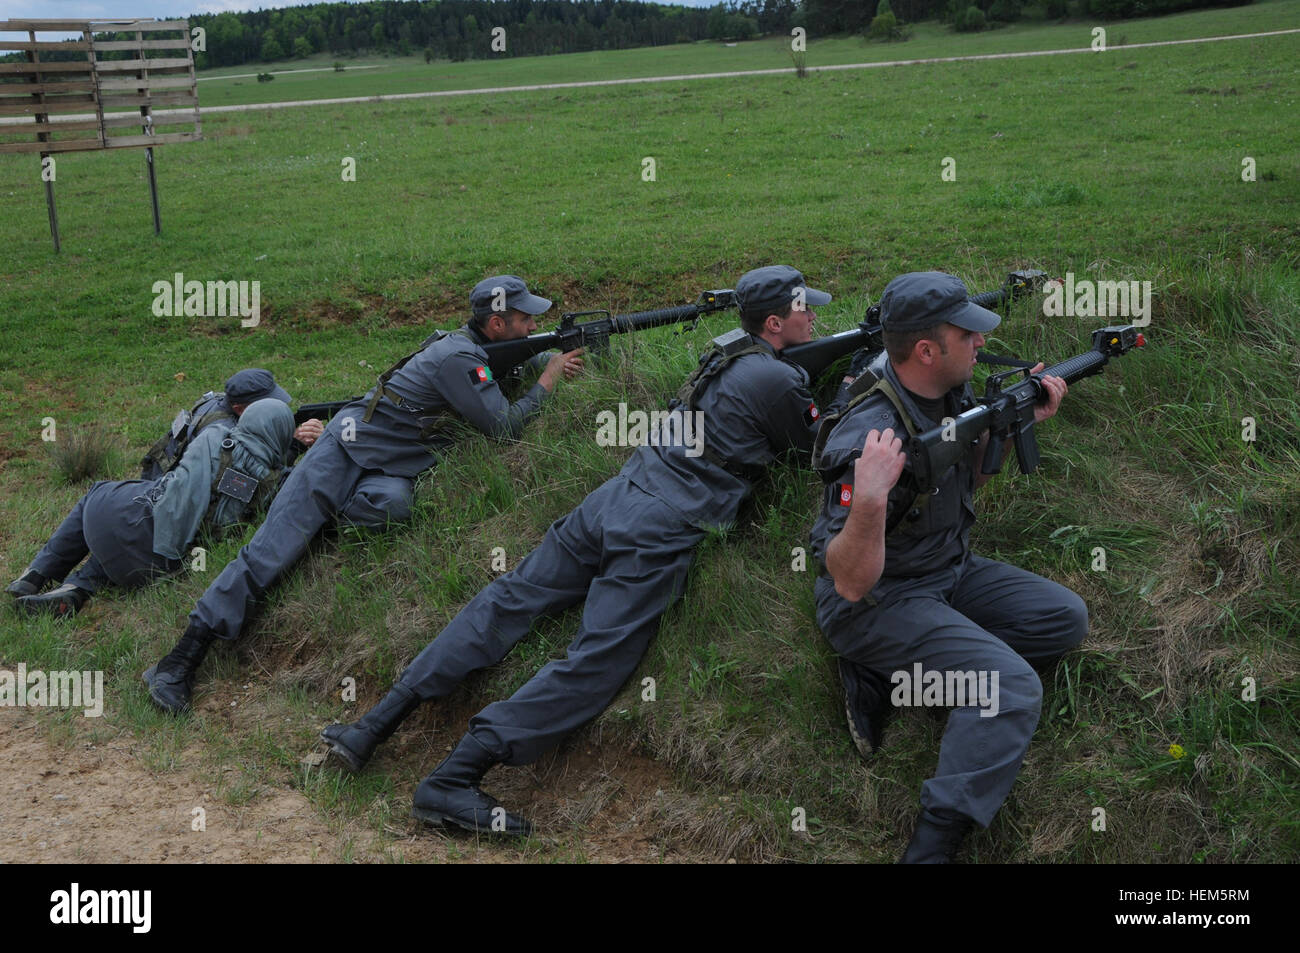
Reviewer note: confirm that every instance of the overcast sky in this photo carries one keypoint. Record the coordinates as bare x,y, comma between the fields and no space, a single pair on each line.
157,9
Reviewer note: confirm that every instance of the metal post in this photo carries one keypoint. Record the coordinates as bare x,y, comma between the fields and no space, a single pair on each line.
49,201
153,190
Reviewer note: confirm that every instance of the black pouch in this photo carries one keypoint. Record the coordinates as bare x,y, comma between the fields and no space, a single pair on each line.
239,485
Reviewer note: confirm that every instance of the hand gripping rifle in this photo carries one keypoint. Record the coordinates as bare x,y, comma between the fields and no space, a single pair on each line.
505,356
816,356
1009,413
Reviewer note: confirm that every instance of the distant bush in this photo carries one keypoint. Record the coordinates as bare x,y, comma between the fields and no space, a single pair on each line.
264,77
339,67
1005,11
883,26
972,21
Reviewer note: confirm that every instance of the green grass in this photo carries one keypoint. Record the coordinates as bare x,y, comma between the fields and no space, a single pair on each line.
1110,167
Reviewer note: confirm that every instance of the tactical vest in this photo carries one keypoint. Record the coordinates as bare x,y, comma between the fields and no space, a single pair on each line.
430,424
726,349
248,490
170,447
861,389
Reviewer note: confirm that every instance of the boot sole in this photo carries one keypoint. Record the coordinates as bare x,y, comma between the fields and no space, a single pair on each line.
60,610
341,756
865,750
430,816
148,680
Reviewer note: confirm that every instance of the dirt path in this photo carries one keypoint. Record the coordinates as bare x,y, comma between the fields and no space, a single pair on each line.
78,801
679,78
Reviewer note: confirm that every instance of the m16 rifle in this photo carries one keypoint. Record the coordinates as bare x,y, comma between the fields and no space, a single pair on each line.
1009,413
816,356
505,356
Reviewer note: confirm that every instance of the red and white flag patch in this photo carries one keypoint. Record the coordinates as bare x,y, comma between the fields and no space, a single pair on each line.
846,494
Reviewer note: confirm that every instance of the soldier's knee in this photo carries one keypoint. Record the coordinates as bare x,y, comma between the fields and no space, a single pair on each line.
1075,621
1020,688
374,507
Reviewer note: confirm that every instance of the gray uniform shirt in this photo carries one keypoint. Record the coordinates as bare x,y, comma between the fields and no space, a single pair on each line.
938,536
756,409
448,374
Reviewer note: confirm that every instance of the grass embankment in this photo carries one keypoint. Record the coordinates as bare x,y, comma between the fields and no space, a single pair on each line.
1109,168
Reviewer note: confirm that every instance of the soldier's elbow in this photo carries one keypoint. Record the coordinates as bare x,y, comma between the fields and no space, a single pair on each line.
849,591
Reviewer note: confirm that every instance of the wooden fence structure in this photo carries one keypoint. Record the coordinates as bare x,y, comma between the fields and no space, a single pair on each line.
98,93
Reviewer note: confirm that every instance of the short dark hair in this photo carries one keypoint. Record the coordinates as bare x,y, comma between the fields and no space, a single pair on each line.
899,344
752,321
479,321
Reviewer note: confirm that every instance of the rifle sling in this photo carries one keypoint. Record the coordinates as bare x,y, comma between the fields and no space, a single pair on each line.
429,425
712,363
862,388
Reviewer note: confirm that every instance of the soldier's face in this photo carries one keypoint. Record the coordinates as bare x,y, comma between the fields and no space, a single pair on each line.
518,325
958,364
797,328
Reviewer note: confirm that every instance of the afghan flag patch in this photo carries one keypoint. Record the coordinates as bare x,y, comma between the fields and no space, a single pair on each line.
812,413
480,375
846,494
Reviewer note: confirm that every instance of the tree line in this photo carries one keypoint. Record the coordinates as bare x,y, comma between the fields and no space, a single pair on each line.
464,29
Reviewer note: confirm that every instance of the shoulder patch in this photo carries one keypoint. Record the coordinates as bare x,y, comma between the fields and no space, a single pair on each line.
480,375
846,494
812,414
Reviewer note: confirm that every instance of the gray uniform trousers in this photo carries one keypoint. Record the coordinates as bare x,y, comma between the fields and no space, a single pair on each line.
627,553
325,485
113,525
981,616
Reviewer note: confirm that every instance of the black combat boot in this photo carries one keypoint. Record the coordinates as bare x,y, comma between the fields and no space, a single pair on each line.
866,703
28,584
937,836
64,602
450,795
354,744
171,681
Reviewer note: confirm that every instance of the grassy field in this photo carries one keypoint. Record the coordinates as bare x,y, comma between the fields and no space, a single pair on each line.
1126,166
395,74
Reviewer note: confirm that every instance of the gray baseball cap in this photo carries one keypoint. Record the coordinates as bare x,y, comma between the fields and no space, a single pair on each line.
487,296
774,287
254,383
922,299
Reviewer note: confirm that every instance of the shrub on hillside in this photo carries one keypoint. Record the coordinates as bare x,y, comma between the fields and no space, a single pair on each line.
1005,11
972,21
84,454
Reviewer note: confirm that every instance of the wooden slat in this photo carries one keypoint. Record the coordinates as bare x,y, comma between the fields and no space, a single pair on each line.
72,145
44,45
185,97
145,26
180,43
73,104
119,142
116,120
147,82
44,67
96,26
160,63
18,89
55,125
42,26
